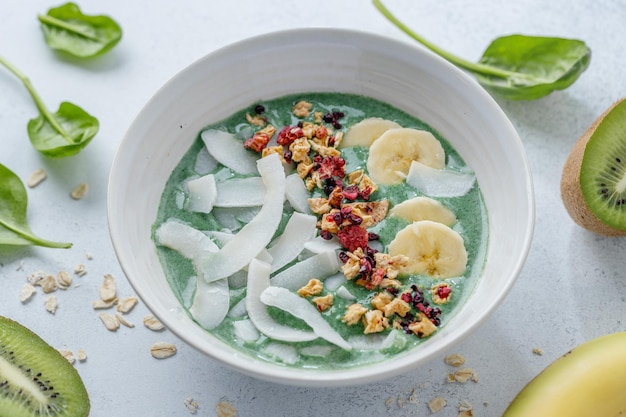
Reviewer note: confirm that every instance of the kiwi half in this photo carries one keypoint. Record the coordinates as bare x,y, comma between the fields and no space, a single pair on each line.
593,185
35,379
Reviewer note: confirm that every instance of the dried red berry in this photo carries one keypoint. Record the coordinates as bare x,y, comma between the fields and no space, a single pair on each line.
351,192
444,291
289,134
366,193
326,235
352,237
257,142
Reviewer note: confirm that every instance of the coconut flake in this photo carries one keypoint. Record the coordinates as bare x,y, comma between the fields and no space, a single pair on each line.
202,194
189,242
210,303
239,309
439,182
258,281
229,151
296,194
296,276
240,192
319,244
205,163
373,341
245,330
335,281
285,353
299,307
299,229
320,351
344,293
255,235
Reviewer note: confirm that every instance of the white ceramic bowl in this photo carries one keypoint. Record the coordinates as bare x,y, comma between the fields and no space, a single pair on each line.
278,64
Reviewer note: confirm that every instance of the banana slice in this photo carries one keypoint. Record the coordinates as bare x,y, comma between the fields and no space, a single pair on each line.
367,131
424,208
433,249
391,154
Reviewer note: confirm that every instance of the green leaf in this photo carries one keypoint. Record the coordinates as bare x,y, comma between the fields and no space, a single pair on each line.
545,64
77,129
14,229
59,134
66,28
517,67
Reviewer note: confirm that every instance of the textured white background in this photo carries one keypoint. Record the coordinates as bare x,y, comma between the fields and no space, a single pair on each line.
571,289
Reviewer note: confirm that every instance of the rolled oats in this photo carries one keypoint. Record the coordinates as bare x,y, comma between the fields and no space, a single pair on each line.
79,191
36,178
436,404
27,291
81,355
153,323
103,305
67,354
162,350
123,320
80,270
192,405
454,359
108,288
64,280
52,304
126,304
110,321
225,409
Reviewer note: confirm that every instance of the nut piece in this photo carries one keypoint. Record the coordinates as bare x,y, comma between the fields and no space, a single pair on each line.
110,321
162,350
126,304
27,291
454,359
436,404
52,304
79,191
36,178
108,288
153,323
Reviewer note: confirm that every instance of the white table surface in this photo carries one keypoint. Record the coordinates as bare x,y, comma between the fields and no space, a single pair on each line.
571,289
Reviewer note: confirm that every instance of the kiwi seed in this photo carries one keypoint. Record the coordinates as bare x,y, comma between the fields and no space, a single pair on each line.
35,379
593,185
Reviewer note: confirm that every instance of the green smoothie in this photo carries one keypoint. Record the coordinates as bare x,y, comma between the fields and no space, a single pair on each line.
471,224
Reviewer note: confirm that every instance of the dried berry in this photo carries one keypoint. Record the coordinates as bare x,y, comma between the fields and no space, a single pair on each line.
352,237
257,142
259,109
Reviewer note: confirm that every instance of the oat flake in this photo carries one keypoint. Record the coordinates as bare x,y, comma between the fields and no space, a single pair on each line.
103,305
126,304
225,409
81,355
436,404
79,191
153,323
80,270
110,321
108,288
67,354
36,178
454,359
27,291
192,405
52,304
123,320
162,350
64,279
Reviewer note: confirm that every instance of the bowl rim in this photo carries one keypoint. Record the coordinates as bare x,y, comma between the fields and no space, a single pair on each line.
359,374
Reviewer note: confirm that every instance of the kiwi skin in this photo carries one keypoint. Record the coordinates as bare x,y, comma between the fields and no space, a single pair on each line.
571,192
35,379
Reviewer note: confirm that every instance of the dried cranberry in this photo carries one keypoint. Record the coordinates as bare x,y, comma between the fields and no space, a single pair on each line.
366,193
355,219
326,235
372,236
343,257
406,297
289,134
259,109
444,291
287,155
337,217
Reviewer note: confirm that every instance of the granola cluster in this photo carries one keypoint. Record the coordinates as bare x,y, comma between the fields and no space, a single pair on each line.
345,209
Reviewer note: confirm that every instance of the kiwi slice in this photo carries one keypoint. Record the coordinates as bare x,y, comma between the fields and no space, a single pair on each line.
593,186
35,379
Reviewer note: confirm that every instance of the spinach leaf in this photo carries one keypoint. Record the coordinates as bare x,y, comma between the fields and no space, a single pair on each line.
59,134
14,229
66,28
517,67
